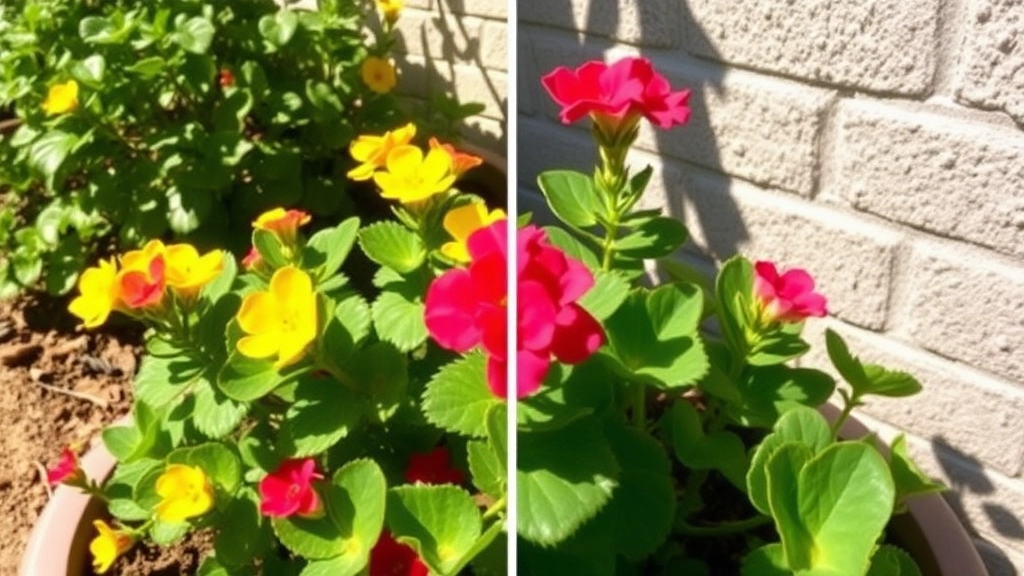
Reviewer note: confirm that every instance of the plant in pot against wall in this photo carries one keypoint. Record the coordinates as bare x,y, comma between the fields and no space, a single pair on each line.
662,429
306,426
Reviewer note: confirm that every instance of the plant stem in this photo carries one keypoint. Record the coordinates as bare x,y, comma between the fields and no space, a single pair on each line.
850,404
724,528
495,508
639,405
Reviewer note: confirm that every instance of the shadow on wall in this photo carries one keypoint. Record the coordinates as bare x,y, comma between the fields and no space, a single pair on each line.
967,476
707,200
449,48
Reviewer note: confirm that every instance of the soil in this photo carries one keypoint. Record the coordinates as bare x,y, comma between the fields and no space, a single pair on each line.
61,385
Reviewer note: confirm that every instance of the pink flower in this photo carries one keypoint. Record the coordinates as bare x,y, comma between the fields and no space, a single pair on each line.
392,558
433,468
67,470
252,259
289,490
789,297
465,307
612,94
549,321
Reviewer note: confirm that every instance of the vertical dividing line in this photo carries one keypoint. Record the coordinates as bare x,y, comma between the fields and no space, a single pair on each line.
511,140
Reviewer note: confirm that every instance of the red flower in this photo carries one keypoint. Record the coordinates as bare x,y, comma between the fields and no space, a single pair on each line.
225,78
432,468
289,489
618,94
549,321
67,470
251,259
141,288
789,297
391,558
465,307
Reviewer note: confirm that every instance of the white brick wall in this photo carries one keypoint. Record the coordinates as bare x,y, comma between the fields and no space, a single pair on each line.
458,47
877,143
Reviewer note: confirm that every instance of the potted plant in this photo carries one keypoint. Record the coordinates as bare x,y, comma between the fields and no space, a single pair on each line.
661,429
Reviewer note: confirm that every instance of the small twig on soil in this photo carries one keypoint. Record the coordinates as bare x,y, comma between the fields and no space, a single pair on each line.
42,479
80,395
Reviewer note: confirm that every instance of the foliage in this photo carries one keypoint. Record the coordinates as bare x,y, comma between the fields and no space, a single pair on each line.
312,427
187,118
688,424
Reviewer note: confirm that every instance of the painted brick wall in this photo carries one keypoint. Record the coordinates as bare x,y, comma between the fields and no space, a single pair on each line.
877,143
458,47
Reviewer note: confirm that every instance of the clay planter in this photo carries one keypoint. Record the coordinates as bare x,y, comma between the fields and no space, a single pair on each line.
59,542
931,533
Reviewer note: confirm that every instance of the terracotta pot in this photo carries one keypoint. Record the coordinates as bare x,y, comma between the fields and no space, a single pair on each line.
931,533
59,542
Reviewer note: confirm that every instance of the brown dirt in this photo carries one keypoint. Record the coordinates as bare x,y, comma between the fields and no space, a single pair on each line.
60,385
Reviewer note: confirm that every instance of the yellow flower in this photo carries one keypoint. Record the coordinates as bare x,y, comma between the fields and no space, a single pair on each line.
411,177
187,272
391,9
186,493
379,75
461,161
461,222
281,321
372,151
283,223
99,293
62,98
141,280
107,546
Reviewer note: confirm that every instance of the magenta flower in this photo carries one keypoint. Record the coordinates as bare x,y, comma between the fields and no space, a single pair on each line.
617,94
789,297
389,557
465,307
549,321
433,468
289,490
67,470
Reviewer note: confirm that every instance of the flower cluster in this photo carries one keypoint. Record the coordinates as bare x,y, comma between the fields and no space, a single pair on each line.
140,285
404,171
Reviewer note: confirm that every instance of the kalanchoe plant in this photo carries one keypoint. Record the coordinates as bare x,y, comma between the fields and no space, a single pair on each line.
132,120
310,427
661,428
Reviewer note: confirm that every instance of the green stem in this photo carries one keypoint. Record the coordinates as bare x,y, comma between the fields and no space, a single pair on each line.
639,405
850,404
724,528
479,546
495,508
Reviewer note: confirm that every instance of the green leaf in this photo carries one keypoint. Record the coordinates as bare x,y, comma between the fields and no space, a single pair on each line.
720,450
440,522
831,522
768,392
652,238
608,293
90,71
381,373
187,210
457,397
892,561
572,197
195,35
768,560
99,30
732,294
565,477
167,533
400,321
346,328
868,378
391,244
327,249
246,379
323,413
249,535
355,503
800,426
486,468
215,415
652,337
270,249
121,441
908,479
147,68
48,153
217,461
643,505
279,28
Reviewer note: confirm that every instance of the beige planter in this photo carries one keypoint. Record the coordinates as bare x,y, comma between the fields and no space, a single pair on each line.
59,542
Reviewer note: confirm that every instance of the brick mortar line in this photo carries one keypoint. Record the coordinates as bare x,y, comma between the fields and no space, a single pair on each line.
950,34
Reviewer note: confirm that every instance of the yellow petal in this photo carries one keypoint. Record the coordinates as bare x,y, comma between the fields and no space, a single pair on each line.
289,284
259,346
436,165
404,160
365,147
362,172
259,314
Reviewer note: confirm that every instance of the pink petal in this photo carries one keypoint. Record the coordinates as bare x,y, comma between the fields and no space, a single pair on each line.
536,316
531,368
448,314
497,376
579,335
